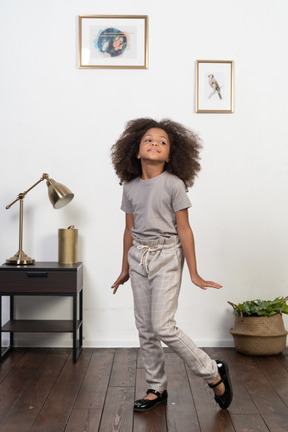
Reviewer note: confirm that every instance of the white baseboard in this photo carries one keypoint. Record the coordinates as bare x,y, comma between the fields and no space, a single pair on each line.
43,340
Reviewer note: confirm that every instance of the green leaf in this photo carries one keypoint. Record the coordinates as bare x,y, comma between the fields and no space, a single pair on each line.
261,307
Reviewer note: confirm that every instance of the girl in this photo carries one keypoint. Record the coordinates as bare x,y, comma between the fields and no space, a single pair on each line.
158,161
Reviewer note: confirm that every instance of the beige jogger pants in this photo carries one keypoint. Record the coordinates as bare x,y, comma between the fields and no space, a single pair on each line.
156,272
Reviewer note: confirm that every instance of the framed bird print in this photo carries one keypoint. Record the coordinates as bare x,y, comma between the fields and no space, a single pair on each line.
214,86
113,41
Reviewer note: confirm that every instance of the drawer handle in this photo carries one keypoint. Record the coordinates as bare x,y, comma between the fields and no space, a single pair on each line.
37,274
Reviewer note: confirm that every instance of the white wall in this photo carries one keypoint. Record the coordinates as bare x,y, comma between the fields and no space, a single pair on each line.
62,120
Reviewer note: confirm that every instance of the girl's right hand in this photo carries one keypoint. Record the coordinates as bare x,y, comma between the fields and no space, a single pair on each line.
124,277
201,283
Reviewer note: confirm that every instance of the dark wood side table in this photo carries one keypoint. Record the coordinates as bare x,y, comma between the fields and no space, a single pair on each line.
43,279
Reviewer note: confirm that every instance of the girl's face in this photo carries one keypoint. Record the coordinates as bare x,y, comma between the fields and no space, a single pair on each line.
154,146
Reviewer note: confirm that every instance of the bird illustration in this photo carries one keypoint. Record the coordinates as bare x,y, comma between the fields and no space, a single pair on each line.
215,86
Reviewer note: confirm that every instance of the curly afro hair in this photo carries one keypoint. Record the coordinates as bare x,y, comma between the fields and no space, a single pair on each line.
185,146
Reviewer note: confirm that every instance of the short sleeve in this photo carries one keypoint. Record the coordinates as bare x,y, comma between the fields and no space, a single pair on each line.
180,198
126,205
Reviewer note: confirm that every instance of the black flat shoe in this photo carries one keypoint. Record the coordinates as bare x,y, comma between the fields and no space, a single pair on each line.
143,405
224,400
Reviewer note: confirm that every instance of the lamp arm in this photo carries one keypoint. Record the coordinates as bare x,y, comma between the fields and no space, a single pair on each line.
22,195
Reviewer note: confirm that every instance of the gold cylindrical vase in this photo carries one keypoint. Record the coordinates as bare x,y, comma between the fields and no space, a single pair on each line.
68,245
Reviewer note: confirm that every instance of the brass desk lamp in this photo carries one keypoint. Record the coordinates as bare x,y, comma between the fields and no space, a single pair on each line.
59,196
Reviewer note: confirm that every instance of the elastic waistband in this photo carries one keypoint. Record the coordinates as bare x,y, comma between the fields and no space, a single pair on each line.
161,241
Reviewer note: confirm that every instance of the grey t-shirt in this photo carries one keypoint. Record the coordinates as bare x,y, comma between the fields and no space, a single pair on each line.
153,204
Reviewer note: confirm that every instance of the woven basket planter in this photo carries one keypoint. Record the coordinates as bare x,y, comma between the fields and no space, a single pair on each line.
259,335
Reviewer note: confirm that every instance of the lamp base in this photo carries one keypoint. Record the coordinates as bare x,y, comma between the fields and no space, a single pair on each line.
20,258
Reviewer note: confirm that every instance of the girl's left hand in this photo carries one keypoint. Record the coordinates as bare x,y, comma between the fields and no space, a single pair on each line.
124,277
201,283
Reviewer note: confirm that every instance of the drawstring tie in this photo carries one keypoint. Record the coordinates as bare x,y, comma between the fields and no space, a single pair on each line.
145,255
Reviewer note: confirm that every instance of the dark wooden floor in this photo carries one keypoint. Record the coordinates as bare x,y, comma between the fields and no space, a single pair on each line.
41,390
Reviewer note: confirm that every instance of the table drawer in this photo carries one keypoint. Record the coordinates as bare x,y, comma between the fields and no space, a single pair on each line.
38,281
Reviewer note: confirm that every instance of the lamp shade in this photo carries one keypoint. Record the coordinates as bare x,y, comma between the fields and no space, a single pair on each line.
59,194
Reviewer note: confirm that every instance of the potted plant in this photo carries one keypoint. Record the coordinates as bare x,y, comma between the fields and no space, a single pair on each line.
259,327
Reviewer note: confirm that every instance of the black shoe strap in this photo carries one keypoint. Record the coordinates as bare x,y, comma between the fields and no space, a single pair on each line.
219,382
154,392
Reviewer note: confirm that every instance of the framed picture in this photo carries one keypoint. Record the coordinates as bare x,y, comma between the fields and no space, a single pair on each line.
214,86
114,41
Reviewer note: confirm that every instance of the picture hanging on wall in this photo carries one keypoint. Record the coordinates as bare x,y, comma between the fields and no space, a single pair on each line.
214,86
115,41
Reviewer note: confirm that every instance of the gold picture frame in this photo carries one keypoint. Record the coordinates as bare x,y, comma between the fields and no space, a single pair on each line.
113,42
214,86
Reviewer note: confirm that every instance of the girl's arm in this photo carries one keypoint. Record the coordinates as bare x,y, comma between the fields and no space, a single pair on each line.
127,243
187,241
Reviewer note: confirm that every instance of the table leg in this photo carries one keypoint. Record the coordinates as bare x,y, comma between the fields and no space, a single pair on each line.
74,328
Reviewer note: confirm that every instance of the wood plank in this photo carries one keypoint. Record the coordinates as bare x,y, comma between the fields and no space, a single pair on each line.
42,390
95,384
277,422
276,374
87,410
23,413
59,404
248,423
83,420
14,384
151,421
181,412
211,418
9,361
269,404
283,359
118,413
124,368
